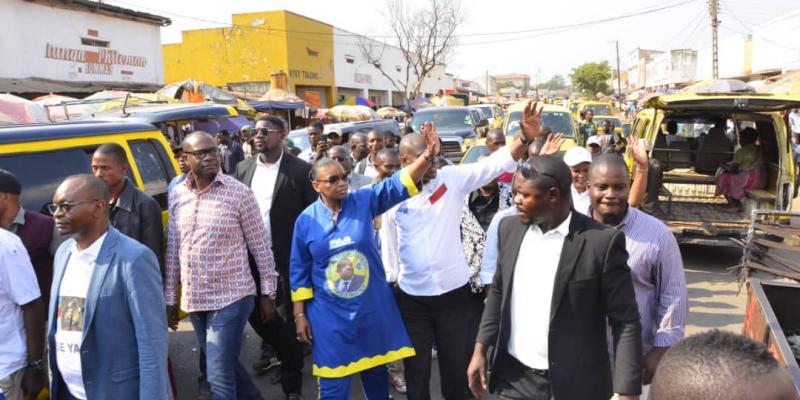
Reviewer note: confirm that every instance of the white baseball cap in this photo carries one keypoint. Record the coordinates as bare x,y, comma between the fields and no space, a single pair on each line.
595,139
577,155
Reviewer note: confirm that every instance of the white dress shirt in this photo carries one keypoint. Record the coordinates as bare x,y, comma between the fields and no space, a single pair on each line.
388,234
263,186
534,276
73,288
581,202
491,249
308,155
428,241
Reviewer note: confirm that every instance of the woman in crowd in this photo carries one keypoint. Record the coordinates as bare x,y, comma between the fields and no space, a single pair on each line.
745,172
338,283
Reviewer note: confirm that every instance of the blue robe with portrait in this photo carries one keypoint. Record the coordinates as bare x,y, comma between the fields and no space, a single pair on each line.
336,268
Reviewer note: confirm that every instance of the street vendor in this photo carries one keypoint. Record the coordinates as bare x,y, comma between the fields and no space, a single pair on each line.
338,282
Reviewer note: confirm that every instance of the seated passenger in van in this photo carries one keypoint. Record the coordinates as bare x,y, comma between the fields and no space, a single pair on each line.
672,134
745,172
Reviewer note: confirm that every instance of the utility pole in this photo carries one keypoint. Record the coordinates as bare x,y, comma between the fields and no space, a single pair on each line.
712,10
619,81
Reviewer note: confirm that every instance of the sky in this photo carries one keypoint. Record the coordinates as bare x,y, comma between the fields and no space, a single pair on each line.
540,52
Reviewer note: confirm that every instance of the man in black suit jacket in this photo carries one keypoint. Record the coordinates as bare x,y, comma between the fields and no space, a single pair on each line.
282,185
550,340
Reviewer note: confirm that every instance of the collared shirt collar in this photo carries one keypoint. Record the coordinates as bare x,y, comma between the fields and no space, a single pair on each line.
19,219
562,229
92,251
125,199
190,181
277,162
629,219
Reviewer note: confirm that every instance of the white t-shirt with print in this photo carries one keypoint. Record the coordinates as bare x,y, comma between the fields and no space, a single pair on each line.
71,312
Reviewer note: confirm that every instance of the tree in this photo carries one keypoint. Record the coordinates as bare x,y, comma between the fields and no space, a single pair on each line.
557,82
591,77
425,37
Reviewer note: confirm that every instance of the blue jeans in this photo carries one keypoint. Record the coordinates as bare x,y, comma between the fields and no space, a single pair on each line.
220,336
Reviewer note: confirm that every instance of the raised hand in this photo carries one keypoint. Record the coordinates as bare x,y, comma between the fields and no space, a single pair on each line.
639,153
428,130
531,121
553,143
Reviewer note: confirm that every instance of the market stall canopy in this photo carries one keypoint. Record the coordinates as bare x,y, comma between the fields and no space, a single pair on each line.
357,101
278,99
192,91
719,86
58,107
22,111
320,114
790,83
352,113
636,95
232,124
390,112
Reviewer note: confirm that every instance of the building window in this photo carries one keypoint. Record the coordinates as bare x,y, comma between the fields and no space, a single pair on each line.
350,59
94,42
398,68
312,53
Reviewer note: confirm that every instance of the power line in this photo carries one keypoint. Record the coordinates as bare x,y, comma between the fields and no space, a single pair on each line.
557,28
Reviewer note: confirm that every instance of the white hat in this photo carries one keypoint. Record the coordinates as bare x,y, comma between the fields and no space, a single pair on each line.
577,155
594,139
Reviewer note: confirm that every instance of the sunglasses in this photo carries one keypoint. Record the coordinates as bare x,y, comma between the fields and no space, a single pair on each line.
265,131
334,179
67,206
201,154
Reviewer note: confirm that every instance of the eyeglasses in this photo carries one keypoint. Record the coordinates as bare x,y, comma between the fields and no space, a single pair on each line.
334,179
67,206
265,131
201,154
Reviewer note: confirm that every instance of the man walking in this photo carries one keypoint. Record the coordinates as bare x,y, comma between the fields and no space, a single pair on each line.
107,332
318,143
561,280
433,293
375,143
214,220
133,212
653,256
282,187
358,146
230,151
37,231
22,324
355,180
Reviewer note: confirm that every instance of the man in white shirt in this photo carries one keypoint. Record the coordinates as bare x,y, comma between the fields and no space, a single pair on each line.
578,159
107,331
794,121
375,143
433,292
21,324
561,280
318,143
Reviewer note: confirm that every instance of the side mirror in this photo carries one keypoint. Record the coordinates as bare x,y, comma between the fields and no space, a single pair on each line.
483,122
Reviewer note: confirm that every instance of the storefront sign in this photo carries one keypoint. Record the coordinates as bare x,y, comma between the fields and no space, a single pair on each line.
362,78
296,73
313,99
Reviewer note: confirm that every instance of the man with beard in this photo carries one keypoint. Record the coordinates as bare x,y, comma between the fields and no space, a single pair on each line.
282,186
653,256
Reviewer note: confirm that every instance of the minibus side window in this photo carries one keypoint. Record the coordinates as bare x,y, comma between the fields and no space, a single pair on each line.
154,175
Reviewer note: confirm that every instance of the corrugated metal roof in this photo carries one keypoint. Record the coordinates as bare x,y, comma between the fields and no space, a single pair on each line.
41,85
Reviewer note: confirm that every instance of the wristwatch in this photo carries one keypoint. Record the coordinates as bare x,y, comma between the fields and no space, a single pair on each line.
37,365
525,141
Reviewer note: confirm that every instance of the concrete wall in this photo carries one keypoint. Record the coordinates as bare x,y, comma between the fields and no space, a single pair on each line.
47,42
776,44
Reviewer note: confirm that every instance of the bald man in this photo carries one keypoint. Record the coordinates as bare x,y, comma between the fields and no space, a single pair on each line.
114,348
433,292
495,140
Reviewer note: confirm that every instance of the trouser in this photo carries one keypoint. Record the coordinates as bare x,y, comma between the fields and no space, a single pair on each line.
220,336
515,381
11,386
447,319
282,337
374,382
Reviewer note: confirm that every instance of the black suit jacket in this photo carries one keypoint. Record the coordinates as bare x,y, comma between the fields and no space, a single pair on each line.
293,193
592,285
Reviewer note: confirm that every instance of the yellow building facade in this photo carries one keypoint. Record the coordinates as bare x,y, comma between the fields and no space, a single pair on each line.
258,45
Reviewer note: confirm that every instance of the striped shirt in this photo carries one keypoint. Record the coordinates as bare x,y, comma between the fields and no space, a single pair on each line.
208,235
658,279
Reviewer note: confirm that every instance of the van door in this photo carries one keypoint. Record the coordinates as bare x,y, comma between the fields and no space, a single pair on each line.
154,168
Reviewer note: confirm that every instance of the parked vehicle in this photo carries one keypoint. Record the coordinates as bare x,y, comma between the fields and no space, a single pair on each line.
692,211
457,127
556,117
615,122
299,137
493,113
596,107
43,155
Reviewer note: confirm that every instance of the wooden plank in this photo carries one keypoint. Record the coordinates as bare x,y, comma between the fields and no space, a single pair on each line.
777,230
776,245
784,274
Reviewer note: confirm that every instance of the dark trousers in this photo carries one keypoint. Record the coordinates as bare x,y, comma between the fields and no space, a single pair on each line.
448,319
515,381
282,336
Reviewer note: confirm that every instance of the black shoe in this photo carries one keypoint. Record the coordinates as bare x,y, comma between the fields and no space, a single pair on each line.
294,396
265,364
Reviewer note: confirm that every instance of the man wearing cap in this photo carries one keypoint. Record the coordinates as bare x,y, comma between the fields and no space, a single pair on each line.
334,138
578,159
246,137
37,231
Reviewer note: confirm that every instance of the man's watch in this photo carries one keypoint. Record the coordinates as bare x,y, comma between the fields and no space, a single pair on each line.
37,365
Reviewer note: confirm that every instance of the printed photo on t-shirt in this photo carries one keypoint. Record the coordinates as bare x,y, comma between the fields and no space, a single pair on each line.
70,313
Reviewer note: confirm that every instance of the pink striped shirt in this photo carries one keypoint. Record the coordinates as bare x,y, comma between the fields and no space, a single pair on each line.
208,235
658,279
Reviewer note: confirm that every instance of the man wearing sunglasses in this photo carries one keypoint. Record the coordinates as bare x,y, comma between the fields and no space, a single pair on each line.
355,180
282,187
107,333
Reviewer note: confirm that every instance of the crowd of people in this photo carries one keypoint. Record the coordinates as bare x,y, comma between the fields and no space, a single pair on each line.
528,274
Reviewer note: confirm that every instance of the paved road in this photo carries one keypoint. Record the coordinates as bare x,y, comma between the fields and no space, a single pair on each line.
715,302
